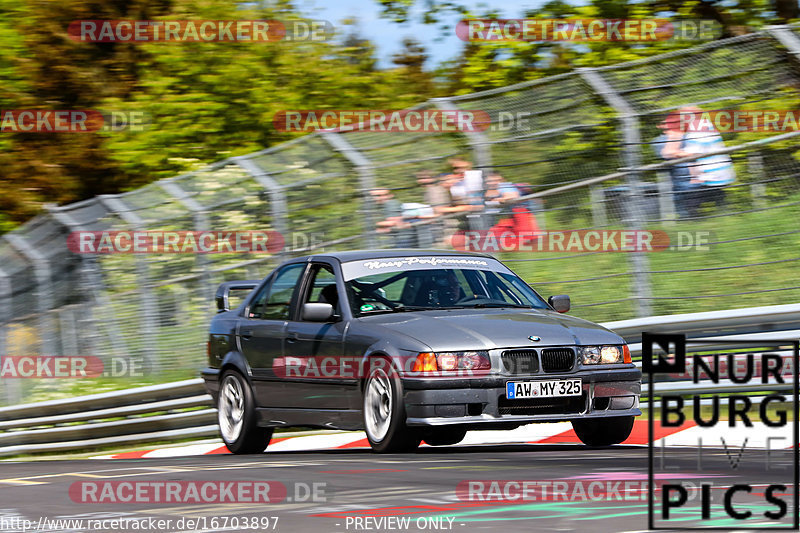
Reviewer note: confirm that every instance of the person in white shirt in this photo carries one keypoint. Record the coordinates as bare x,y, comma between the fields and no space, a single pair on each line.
466,191
712,173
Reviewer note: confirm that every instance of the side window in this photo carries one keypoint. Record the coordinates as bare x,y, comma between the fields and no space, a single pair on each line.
323,288
371,292
273,303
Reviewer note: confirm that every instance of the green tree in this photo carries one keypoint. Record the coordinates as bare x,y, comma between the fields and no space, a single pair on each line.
411,75
488,65
205,101
42,68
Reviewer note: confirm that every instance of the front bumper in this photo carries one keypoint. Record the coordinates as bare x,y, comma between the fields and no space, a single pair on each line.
481,401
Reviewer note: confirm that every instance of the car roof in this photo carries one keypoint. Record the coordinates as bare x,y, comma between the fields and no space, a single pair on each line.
360,255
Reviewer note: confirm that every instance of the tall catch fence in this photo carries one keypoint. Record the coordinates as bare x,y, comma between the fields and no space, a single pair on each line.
587,148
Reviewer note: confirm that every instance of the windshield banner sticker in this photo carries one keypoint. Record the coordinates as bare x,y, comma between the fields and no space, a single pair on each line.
361,268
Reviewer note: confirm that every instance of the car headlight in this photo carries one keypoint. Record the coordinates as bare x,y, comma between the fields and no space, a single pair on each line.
463,360
604,355
590,355
447,361
610,355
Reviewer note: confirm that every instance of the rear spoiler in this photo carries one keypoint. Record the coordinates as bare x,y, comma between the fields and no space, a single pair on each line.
224,290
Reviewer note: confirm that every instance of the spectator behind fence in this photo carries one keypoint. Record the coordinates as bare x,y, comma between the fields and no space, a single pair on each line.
669,145
418,216
712,173
465,187
393,222
436,197
434,193
497,198
449,225
507,215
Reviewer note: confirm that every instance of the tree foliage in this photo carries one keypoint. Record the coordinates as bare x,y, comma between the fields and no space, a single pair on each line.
205,101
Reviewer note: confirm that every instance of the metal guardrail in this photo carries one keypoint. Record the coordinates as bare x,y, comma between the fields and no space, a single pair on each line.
169,411
774,321
183,410
108,400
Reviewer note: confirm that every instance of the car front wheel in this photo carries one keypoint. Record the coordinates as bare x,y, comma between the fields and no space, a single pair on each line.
237,416
385,415
603,431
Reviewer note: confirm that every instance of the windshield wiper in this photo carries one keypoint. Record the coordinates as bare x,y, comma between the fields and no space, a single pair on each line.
407,308
495,305
428,307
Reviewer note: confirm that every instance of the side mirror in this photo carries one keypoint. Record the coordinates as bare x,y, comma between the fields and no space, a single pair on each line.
559,302
317,312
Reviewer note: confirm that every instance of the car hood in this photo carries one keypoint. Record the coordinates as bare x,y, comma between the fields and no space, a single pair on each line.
486,329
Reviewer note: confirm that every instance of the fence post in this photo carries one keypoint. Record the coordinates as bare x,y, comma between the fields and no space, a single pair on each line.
634,212
786,37
149,315
477,139
92,283
277,197
366,179
11,386
599,215
200,221
69,337
67,326
43,292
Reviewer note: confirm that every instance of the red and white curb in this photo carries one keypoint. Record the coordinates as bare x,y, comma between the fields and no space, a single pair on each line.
758,436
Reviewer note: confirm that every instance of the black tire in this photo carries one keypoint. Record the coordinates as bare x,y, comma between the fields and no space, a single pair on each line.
444,436
237,416
603,431
384,412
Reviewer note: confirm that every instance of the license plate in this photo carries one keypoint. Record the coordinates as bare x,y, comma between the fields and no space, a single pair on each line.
554,388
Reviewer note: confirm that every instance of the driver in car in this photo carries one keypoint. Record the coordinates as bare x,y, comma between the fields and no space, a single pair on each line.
447,290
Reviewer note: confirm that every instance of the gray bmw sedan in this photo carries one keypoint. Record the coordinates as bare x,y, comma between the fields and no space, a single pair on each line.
410,345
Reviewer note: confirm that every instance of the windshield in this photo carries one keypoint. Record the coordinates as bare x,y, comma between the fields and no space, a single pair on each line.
438,288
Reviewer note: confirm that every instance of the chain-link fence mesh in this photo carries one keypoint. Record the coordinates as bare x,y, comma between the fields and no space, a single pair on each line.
587,146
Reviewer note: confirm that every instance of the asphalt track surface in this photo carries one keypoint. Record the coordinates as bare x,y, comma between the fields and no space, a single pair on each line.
358,484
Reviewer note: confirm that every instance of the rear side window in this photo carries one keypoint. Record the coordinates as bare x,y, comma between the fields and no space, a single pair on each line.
274,301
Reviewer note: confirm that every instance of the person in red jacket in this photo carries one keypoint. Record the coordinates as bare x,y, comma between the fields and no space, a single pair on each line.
510,216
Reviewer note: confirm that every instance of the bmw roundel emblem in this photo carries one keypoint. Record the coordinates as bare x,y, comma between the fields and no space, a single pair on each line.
534,338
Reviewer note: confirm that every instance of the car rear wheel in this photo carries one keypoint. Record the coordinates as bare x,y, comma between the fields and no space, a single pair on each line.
603,431
385,415
444,436
237,416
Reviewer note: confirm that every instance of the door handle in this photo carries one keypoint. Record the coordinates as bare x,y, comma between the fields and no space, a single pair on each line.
246,333
292,337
